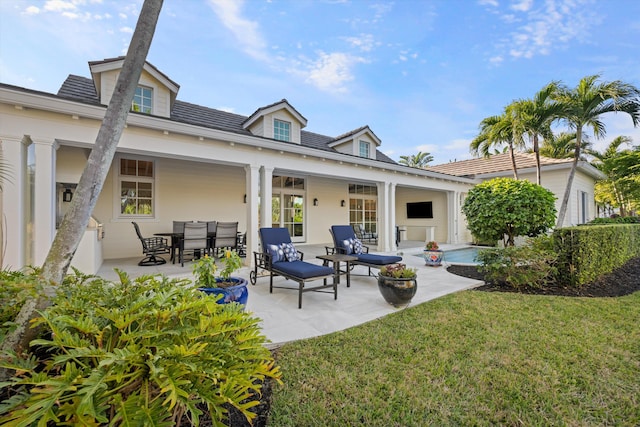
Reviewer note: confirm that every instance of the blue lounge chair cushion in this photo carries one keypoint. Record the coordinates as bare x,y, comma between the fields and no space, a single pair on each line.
378,259
302,269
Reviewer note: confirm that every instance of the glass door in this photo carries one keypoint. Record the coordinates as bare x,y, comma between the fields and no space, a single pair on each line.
288,212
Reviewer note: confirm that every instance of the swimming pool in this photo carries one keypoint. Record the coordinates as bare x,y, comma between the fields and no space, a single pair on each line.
460,256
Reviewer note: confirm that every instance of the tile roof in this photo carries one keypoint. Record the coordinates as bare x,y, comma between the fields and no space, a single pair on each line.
492,164
81,89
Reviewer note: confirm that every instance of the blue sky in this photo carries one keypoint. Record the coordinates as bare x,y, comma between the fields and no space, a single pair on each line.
421,74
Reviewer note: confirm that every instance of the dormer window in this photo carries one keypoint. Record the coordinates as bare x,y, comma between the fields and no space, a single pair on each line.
281,130
365,149
142,100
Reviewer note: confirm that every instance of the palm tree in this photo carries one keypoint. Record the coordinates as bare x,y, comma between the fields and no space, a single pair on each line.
583,106
494,132
533,117
621,187
420,160
559,146
92,179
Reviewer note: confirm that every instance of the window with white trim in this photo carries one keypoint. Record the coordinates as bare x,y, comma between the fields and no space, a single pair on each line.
143,100
365,149
136,183
281,130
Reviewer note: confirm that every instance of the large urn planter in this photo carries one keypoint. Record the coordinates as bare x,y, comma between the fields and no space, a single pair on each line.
433,258
396,289
237,292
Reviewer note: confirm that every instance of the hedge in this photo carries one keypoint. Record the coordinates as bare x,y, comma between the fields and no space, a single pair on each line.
586,253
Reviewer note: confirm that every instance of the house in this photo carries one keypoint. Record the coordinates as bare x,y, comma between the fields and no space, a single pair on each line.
553,176
181,161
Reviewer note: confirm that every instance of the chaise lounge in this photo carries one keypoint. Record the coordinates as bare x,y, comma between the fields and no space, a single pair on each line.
345,242
280,258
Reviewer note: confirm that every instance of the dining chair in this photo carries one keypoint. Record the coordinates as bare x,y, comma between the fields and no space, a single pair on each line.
178,231
226,236
194,240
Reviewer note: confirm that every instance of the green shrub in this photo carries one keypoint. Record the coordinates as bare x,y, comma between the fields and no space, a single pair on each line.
531,265
586,253
504,208
615,220
15,288
142,352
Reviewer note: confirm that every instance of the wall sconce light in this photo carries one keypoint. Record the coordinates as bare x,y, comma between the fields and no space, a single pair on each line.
342,203
67,195
245,198
315,202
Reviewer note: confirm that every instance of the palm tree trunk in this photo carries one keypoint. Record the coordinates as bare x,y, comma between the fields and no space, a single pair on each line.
513,161
92,180
572,173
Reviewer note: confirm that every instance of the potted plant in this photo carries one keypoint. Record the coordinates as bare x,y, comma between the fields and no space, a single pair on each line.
432,254
397,284
232,289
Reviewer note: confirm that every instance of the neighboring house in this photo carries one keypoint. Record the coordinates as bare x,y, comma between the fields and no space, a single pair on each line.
554,174
180,161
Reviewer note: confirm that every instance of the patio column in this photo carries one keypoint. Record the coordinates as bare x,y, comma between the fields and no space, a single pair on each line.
252,180
452,223
266,190
14,201
44,204
392,217
383,216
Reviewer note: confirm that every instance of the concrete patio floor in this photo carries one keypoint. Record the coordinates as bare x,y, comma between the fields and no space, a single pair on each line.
282,321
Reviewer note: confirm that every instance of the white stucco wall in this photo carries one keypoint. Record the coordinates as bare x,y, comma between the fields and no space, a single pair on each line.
417,228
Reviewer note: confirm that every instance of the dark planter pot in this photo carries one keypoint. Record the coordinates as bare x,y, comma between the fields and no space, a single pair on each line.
433,258
397,292
236,293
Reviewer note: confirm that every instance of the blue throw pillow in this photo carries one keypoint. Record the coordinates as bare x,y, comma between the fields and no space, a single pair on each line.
357,246
290,252
276,253
347,246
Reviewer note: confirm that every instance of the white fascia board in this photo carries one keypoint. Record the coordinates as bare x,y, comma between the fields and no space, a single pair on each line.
51,103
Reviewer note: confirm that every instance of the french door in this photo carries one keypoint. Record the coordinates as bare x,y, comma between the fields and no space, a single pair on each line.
287,210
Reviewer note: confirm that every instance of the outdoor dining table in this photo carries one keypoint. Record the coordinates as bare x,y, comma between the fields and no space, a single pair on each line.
176,237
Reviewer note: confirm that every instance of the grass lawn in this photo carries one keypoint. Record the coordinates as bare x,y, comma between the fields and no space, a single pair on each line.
471,358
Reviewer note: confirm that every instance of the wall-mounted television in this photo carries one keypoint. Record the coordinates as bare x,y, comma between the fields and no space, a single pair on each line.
420,210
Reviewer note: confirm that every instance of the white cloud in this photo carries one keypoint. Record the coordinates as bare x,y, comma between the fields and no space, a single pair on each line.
541,29
247,32
59,6
493,3
364,42
32,10
126,30
331,71
523,5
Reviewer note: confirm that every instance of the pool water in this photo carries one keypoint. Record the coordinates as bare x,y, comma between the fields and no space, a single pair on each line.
460,256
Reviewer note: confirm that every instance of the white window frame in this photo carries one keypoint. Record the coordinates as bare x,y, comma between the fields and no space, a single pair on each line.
141,97
119,178
364,149
281,130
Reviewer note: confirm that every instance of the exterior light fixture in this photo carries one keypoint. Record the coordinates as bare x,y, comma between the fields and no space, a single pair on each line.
67,195
245,198
315,202
342,203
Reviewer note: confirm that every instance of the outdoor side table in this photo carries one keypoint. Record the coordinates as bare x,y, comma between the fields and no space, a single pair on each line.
336,259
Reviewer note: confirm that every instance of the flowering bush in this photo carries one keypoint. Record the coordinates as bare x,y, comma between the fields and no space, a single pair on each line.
432,246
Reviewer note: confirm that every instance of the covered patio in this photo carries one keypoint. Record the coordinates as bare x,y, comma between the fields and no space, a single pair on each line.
282,321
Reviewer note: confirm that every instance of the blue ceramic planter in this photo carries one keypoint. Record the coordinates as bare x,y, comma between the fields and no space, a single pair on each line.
236,293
